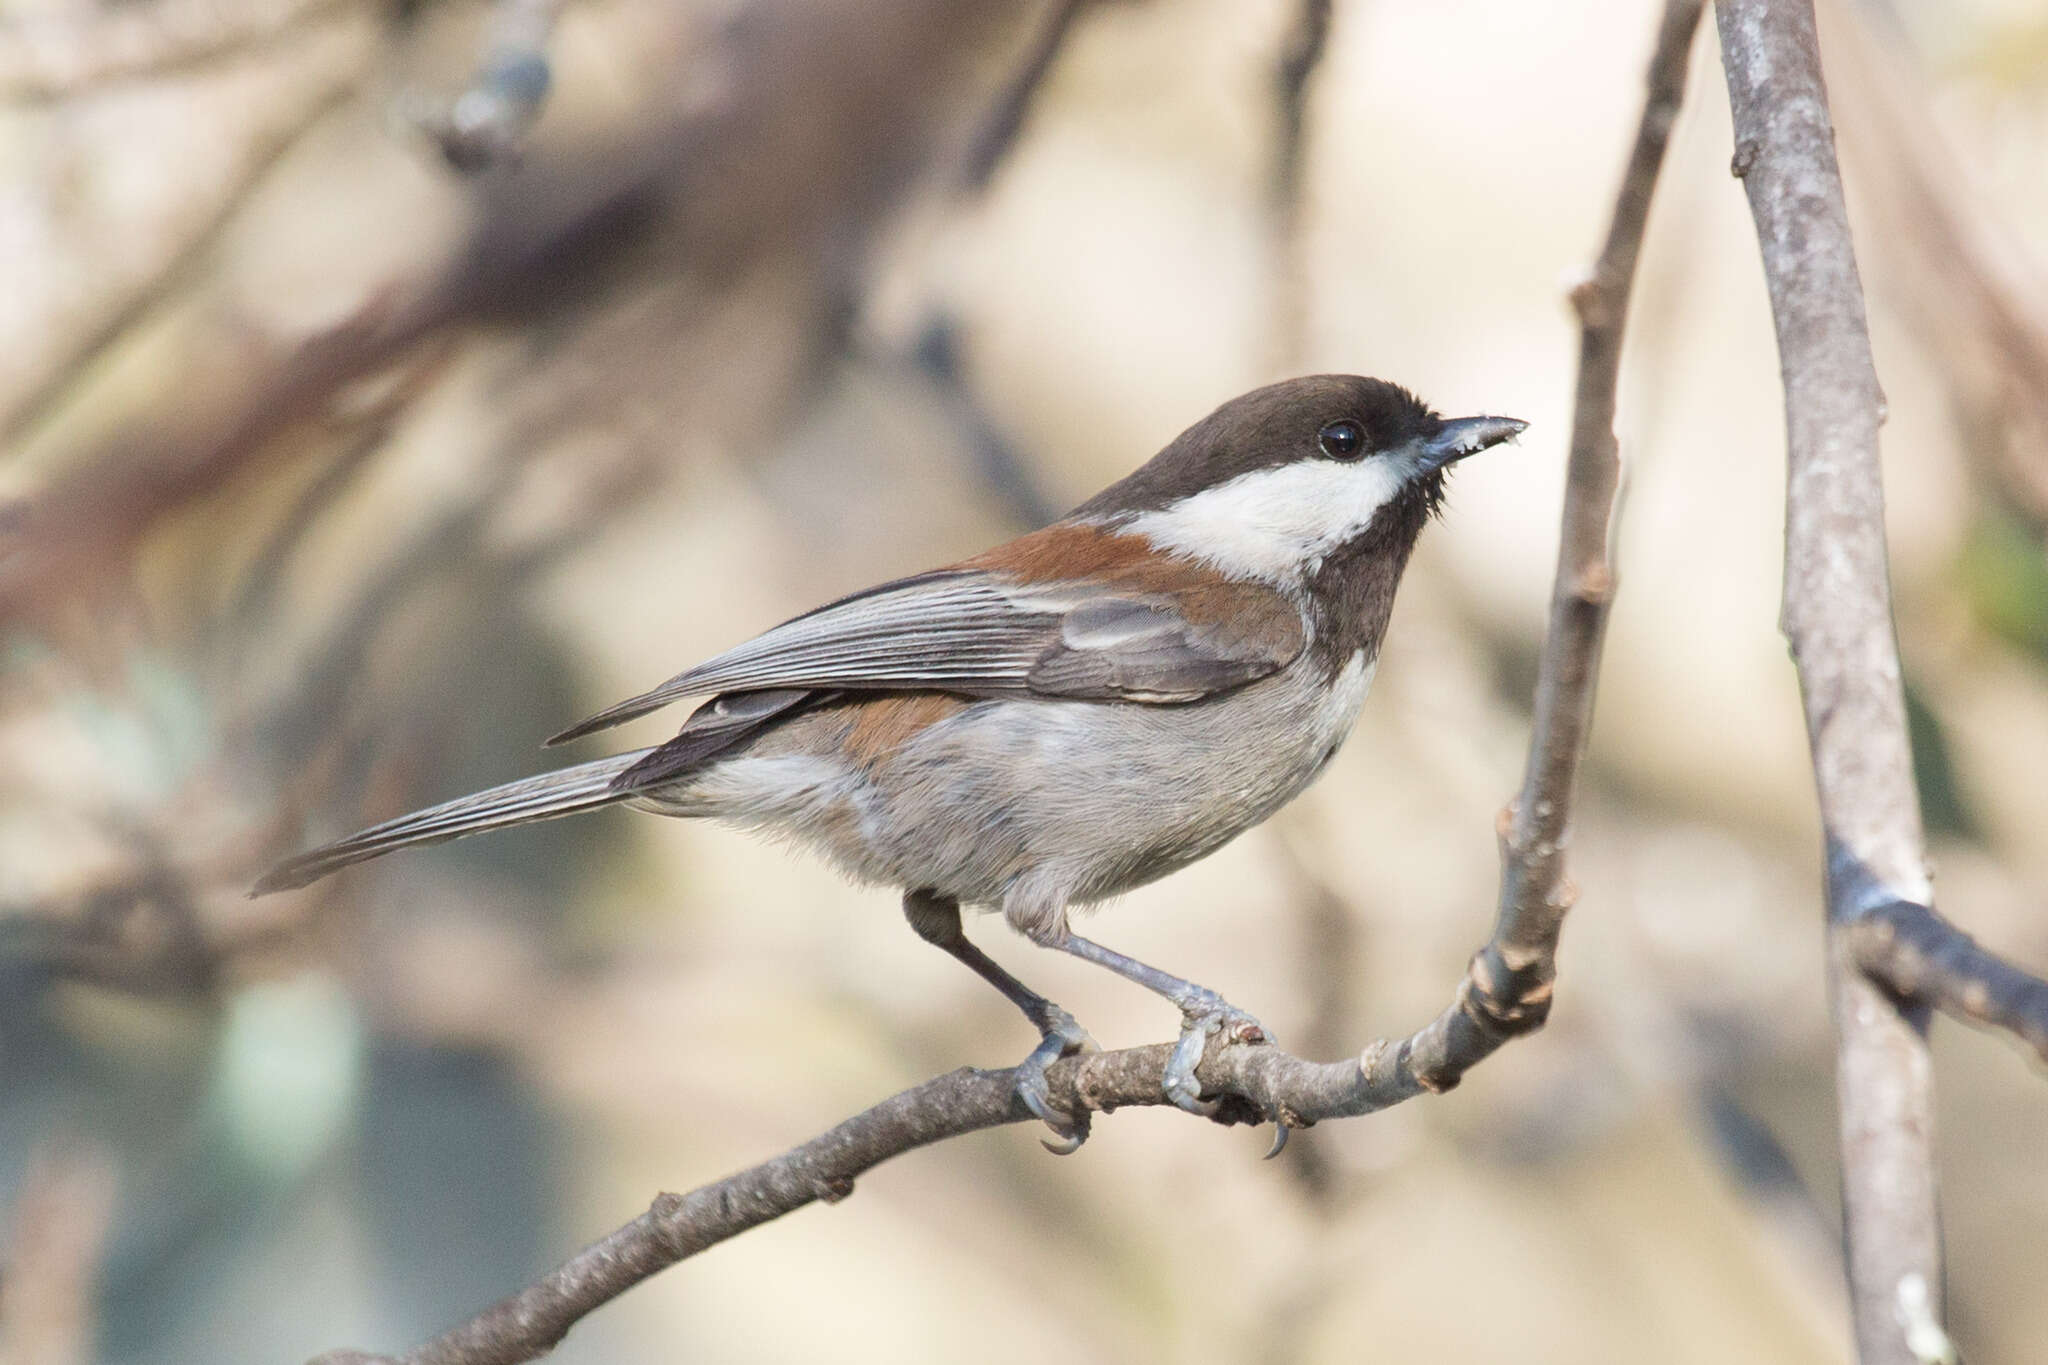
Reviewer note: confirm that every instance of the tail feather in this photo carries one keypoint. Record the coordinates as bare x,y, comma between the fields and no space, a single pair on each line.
565,791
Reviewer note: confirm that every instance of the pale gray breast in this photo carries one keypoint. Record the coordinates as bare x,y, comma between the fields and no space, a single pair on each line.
1078,802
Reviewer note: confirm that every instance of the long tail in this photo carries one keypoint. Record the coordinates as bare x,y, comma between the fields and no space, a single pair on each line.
565,791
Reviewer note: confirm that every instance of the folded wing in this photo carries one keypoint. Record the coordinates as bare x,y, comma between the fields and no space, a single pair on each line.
982,634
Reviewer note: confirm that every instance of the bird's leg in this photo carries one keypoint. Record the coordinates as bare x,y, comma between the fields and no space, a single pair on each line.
1203,1012
936,919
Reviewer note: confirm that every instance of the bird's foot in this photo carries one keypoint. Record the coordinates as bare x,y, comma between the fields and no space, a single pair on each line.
1207,1015
1063,1038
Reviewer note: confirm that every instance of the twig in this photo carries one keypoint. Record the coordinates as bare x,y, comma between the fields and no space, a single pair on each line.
1005,119
1921,956
1000,468
1330,932
676,1227
39,395
1535,894
1301,52
85,524
53,59
1837,617
265,576
1976,300
1506,992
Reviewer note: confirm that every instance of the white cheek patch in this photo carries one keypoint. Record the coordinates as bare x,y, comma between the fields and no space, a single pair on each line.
1277,524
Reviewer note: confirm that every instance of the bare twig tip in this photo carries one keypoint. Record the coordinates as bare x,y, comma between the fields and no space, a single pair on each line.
1065,1146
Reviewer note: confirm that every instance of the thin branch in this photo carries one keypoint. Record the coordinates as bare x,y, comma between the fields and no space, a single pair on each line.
1838,620
1330,933
45,60
1891,956
264,578
1002,471
1535,894
86,523
41,394
675,1227
1921,956
1301,52
1976,299
1006,117
1506,991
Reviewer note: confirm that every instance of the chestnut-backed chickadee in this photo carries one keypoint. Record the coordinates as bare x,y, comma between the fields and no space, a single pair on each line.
1065,717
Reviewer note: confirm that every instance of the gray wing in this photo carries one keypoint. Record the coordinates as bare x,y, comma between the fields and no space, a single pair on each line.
977,633
1154,649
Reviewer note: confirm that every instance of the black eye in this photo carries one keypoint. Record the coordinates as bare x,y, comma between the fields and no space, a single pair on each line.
1342,440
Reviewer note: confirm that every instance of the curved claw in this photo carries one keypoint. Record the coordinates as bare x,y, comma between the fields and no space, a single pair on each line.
1031,1089
1063,1039
1065,1146
1280,1132
1181,1086
1070,1132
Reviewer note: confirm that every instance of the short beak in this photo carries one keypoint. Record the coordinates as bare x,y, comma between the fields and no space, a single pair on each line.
1464,436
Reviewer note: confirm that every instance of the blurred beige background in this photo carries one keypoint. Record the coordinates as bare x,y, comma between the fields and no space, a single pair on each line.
334,480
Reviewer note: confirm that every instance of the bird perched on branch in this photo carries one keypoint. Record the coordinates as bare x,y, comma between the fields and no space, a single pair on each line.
1062,718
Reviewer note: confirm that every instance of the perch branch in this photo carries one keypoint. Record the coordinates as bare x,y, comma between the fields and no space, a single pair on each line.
1534,892
675,1227
1506,991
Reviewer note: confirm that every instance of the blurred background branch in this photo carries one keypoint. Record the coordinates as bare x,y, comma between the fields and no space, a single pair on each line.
57,1234
58,56
1004,122
1302,47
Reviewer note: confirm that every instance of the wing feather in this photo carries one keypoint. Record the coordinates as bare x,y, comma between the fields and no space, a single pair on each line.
983,634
